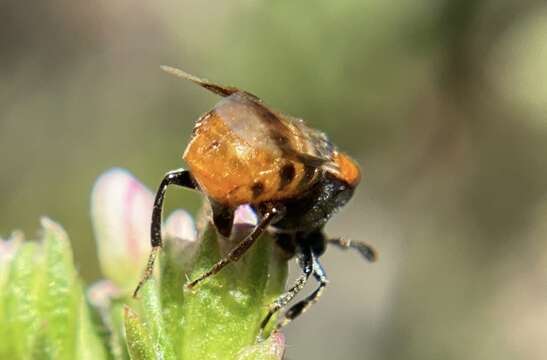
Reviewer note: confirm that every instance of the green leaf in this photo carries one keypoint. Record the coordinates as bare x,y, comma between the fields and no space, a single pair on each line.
61,293
89,345
21,316
115,321
43,310
152,310
223,313
45,315
138,339
173,272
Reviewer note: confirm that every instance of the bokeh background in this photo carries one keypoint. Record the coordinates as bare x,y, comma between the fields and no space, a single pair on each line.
442,102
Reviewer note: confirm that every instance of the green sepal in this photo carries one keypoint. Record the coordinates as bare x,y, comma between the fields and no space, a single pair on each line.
174,268
139,344
21,318
60,293
222,314
153,320
44,312
89,345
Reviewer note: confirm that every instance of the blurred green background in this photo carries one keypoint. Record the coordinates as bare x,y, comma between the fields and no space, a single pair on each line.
443,103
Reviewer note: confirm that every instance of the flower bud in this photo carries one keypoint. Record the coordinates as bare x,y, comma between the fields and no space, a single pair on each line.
121,208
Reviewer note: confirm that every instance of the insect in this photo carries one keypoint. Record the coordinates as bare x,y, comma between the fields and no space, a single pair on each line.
243,152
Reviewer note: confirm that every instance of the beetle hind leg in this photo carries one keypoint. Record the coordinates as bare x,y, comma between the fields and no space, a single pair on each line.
306,264
180,177
302,306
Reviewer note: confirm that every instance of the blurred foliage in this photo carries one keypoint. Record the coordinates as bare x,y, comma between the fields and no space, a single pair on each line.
443,103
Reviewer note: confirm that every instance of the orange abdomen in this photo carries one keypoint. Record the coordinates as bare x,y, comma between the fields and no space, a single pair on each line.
235,161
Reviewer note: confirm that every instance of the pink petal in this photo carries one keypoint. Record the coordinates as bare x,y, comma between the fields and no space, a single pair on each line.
271,348
180,225
244,214
121,208
9,247
101,293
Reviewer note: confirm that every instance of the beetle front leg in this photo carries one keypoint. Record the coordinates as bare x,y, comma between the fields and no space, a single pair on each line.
271,212
366,250
180,177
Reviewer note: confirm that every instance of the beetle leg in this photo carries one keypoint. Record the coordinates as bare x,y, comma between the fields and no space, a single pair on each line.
306,264
301,306
180,177
366,250
234,255
223,218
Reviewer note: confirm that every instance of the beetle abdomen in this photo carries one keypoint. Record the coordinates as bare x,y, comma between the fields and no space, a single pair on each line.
237,158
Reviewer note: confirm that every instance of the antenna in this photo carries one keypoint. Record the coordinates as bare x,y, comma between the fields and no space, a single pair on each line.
212,87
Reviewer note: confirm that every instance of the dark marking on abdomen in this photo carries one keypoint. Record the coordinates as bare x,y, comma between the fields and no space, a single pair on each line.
307,177
257,188
286,175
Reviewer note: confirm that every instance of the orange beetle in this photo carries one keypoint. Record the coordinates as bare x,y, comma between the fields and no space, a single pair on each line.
244,153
